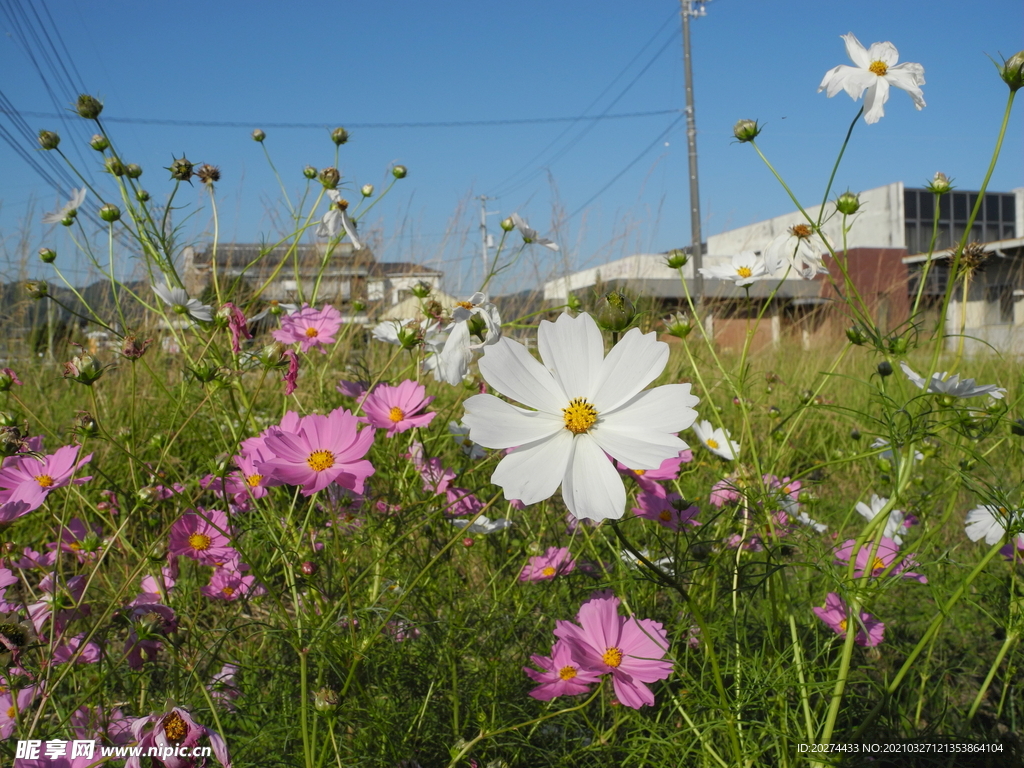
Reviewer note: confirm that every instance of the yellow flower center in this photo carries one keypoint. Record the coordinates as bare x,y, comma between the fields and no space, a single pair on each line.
11,712
75,545
579,416
843,625
612,657
879,68
45,481
712,443
253,480
228,591
311,332
464,304
744,271
878,566
396,414
175,728
639,472
320,460
199,542
548,571
665,515
800,230
567,673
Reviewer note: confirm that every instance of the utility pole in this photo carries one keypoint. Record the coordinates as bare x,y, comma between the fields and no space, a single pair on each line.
693,8
484,238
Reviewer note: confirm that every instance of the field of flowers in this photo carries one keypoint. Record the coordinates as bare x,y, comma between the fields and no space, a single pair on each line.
587,540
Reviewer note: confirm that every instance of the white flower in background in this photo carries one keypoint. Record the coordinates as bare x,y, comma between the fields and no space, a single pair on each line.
586,407
70,207
179,301
798,249
876,70
878,442
988,522
530,235
718,441
627,557
952,386
336,219
894,526
287,309
460,433
806,519
483,524
390,331
451,364
746,268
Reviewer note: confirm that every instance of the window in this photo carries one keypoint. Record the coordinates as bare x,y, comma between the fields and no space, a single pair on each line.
999,299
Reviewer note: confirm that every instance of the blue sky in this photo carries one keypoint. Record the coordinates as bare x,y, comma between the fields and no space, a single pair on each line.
341,63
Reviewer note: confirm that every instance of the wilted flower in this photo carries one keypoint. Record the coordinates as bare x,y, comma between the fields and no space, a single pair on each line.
208,174
337,219
70,208
451,363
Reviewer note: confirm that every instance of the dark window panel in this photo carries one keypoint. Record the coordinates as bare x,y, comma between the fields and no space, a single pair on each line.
959,206
944,208
925,209
992,207
1009,214
991,232
910,203
913,246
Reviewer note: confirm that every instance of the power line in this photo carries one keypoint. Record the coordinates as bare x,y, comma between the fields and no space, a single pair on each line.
427,124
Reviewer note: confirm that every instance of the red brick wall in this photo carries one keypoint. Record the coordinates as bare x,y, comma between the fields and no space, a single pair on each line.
880,277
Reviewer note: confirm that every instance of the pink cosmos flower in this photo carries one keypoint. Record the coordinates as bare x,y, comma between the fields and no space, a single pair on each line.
98,724
237,325
222,687
12,708
84,543
884,554
156,588
33,559
12,510
240,487
8,378
324,450
835,614
70,595
230,583
202,535
462,502
648,479
291,376
174,728
631,650
353,389
669,510
310,327
396,408
724,492
562,675
150,621
556,561
30,479
86,654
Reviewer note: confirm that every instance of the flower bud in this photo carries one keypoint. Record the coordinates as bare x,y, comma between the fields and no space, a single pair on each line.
676,258
36,289
88,106
1017,428
181,169
1012,71
110,213
68,220
309,172
615,312
47,255
114,166
325,700
856,335
308,568
468,542
208,174
855,434
85,425
7,379
508,225
133,170
774,412
746,130
367,190
330,177
48,139
399,171
142,196
205,371
678,325
132,348
573,303
99,142
848,203
84,368
358,306
339,136
898,345
940,184
884,369
258,135
270,356
421,290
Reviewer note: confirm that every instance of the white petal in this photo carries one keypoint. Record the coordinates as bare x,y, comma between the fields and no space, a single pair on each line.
874,101
515,373
350,230
636,361
906,78
668,408
532,473
856,81
592,487
572,349
885,53
638,449
453,361
495,424
916,378
858,55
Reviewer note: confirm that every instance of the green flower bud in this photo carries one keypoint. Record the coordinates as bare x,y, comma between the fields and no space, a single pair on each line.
205,371
270,356
678,325
367,190
325,700
330,177
940,184
309,172
848,203
110,213
37,289
47,255
358,306
68,220
1012,71
884,369
181,169
774,412
1017,428
676,258
898,345
133,170
508,225
615,312
573,303
421,290
86,425
856,335
88,106
6,379
746,130
258,135
48,139
339,136
84,368
142,196
399,171
99,142
114,166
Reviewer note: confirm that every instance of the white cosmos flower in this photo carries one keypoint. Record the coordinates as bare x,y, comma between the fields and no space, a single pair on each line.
483,524
799,249
77,198
952,386
806,519
989,522
876,70
182,304
718,441
893,526
879,442
451,364
389,331
530,235
586,407
336,219
746,268
460,433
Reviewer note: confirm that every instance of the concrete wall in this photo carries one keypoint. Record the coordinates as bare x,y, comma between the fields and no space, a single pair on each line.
640,266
